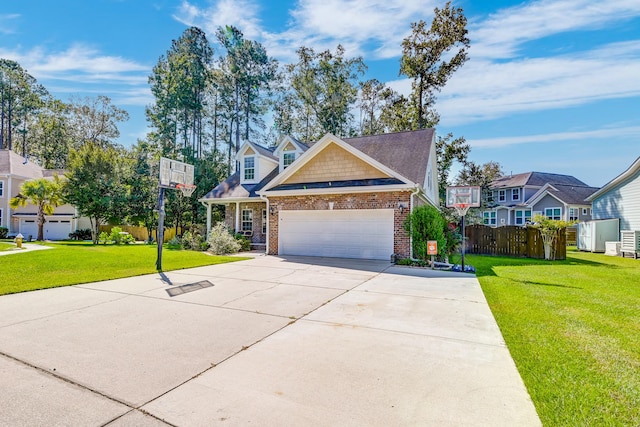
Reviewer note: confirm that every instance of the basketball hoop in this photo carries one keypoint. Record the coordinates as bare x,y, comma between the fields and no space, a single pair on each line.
187,189
461,208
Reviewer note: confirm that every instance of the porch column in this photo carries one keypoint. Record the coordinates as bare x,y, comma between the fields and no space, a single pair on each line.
237,217
208,218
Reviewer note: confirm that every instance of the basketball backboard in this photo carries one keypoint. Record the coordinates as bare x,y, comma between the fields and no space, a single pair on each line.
174,173
463,196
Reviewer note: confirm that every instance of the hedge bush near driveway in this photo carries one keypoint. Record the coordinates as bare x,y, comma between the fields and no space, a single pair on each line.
71,263
573,329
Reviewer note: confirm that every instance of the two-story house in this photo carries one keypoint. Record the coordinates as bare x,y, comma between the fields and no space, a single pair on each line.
338,197
15,170
515,199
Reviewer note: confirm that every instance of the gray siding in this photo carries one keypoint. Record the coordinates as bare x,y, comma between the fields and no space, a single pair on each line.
622,201
549,202
502,214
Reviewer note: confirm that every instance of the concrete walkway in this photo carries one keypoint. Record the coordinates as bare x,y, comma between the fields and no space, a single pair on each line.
26,247
268,341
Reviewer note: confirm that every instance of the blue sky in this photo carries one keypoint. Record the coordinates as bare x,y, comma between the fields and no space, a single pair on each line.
551,86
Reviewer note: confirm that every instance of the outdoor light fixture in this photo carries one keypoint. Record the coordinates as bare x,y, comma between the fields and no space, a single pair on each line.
272,210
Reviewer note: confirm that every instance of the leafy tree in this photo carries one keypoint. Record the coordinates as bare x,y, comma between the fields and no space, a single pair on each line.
372,94
44,193
95,184
142,180
49,136
20,97
326,86
549,229
95,121
431,55
448,150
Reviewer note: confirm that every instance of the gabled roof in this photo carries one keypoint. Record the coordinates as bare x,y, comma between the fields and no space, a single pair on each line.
263,151
535,179
567,194
13,164
630,172
407,153
285,140
230,188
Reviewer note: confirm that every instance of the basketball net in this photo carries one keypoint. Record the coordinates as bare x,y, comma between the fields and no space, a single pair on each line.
461,208
186,189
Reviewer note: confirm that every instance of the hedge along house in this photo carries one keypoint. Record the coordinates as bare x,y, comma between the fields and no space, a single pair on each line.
338,198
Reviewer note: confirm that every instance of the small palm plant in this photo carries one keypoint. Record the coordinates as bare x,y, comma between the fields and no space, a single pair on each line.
44,193
549,229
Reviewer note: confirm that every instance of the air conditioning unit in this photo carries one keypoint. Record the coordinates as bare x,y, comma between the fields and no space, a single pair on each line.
630,242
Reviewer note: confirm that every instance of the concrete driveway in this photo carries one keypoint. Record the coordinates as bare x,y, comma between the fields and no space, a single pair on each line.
268,341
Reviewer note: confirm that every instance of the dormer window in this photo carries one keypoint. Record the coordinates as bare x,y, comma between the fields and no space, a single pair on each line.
288,158
249,168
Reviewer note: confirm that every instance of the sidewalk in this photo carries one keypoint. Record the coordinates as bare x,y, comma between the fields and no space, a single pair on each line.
26,247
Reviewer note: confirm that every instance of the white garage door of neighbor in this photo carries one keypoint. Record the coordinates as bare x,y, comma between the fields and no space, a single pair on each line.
366,233
29,227
57,229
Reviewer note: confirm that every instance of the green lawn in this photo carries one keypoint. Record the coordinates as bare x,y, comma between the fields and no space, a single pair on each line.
71,263
573,329
6,246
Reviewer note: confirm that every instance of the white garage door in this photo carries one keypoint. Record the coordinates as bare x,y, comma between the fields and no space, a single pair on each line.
366,233
57,229
29,227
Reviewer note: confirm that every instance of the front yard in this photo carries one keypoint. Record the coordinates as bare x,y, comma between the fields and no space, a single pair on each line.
71,263
573,329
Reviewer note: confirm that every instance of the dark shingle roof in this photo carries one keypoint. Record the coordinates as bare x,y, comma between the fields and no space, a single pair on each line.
536,179
231,188
406,153
572,194
338,184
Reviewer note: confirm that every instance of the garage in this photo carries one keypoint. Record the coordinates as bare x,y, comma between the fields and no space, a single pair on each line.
55,229
349,233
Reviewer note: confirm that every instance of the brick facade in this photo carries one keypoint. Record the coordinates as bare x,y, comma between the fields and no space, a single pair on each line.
382,200
257,208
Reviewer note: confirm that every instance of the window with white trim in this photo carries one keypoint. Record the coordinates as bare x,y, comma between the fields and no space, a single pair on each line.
489,218
523,216
515,194
553,213
1,188
573,214
247,220
584,211
502,195
1,218
264,221
490,196
249,168
288,158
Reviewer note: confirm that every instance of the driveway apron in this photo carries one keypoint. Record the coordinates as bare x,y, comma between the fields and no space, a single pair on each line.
269,341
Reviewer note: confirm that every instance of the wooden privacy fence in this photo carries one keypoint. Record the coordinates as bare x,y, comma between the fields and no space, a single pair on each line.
511,241
140,233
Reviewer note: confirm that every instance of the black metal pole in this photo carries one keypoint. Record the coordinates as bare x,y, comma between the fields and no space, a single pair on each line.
160,233
463,242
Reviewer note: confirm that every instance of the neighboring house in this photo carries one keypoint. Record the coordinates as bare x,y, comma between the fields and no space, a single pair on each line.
515,199
338,198
620,198
14,171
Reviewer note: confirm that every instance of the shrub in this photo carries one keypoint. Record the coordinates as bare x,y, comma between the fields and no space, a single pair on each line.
117,236
83,234
427,223
175,243
221,241
245,243
194,241
3,232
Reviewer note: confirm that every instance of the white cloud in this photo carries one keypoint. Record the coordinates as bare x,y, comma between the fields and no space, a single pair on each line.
503,33
602,134
484,90
242,14
7,22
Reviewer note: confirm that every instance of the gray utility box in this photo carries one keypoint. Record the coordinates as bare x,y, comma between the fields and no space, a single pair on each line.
592,235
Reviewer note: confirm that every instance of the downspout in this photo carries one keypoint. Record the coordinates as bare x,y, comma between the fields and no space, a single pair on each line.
413,193
208,206
266,199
